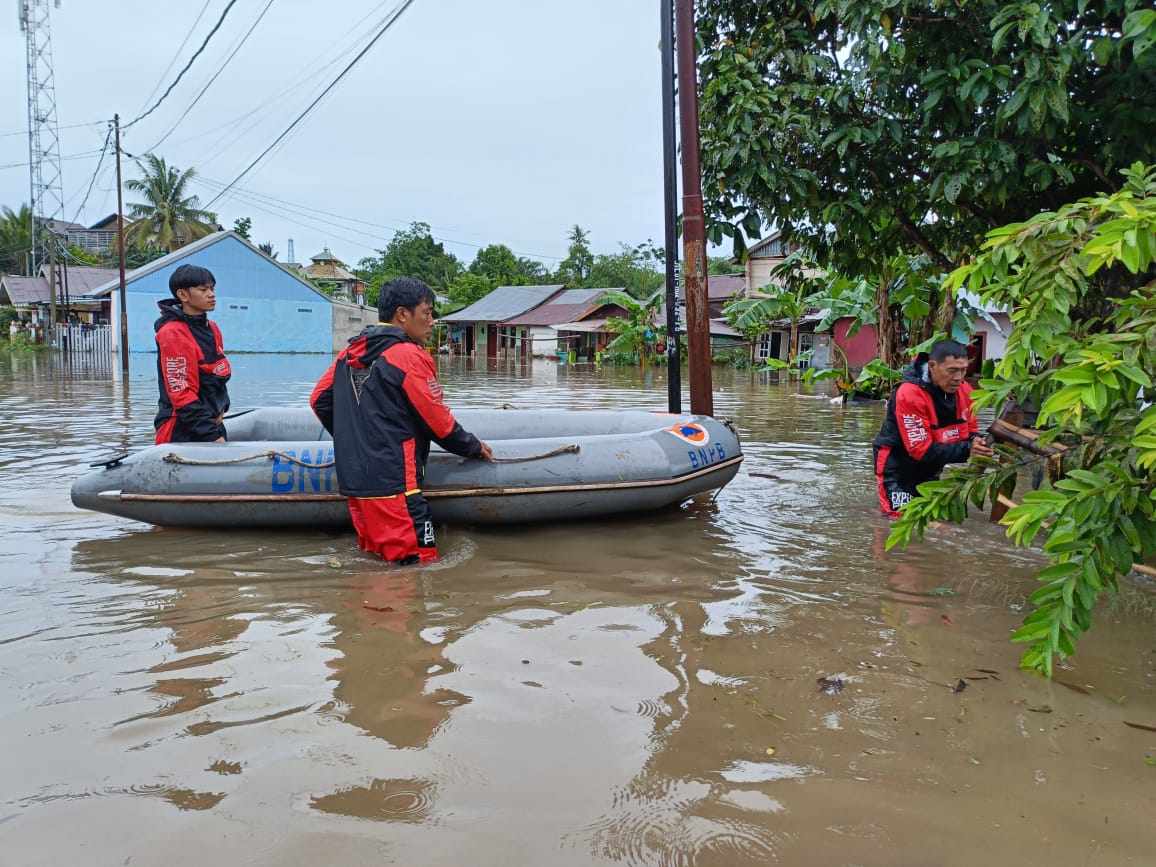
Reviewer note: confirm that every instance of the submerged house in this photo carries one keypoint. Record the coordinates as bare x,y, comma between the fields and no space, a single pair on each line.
262,305
33,297
574,320
481,328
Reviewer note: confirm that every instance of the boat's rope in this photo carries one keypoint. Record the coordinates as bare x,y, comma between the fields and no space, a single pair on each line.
180,459
571,448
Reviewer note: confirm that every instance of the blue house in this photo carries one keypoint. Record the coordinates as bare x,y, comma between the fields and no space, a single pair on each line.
262,306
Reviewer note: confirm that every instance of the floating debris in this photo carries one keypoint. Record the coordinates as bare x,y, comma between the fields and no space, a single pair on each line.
831,685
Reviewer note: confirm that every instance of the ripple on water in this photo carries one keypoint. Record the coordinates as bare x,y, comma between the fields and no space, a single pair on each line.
677,823
399,800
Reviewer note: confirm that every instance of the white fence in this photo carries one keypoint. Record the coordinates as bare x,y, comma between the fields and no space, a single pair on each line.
96,339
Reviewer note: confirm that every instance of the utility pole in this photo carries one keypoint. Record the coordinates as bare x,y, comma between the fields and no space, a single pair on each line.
670,202
51,287
47,196
694,279
120,248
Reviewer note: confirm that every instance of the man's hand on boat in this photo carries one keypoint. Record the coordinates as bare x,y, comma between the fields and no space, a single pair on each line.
486,454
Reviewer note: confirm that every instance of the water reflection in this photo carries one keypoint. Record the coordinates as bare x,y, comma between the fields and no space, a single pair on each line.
642,690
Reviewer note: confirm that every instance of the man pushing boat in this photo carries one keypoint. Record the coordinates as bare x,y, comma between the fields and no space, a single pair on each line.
382,402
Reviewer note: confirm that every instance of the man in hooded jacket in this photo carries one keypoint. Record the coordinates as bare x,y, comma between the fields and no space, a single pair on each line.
192,370
930,423
382,402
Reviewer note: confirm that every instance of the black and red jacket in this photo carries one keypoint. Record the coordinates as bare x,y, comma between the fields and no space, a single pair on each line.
382,402
192,373
926,428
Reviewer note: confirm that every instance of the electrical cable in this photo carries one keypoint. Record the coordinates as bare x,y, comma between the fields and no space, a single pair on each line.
69,126
216,74
177,53
225,143
389,23
259,199
99,163
180,74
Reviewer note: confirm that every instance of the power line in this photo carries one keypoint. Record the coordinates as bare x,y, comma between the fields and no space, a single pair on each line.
79,156
99,163
389,23
180,74
216,74
177,53
225,143
24,132
255,199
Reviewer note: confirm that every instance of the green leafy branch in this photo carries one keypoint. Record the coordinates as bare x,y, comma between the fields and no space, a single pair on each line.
1079,287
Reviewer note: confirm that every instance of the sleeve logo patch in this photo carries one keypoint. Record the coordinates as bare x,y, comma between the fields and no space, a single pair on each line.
176,374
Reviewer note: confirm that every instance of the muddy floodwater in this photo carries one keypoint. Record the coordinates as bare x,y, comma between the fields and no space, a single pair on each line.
747,679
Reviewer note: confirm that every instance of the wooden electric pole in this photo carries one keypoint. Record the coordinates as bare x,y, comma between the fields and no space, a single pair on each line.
694,278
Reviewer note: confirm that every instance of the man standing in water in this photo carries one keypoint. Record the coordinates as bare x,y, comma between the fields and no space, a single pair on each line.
930,423
382,402
192,370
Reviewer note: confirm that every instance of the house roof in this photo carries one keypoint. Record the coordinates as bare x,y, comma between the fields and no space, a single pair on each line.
721,287
763,249
504,303
188,250
567,305
25,290
722,328
82,279
589,326
328,269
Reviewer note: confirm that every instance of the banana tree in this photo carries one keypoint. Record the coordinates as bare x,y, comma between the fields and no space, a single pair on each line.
639,331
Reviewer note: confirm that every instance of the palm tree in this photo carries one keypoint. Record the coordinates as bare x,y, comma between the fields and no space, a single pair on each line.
15,240
168,218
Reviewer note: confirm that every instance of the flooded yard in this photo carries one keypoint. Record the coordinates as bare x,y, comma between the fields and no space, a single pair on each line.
747,679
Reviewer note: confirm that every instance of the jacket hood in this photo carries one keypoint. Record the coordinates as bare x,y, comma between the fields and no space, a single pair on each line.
171,311
917,371
374,340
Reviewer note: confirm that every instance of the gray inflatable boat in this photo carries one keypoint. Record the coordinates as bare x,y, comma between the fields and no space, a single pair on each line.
277,470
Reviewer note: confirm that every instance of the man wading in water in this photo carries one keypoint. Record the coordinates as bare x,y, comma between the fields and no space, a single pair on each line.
930,423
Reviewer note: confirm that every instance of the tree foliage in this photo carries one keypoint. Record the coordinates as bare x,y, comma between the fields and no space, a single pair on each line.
639,331
411,252
873,129
575,268
169,217
498,264
15,239
1080,283
243,226
635,269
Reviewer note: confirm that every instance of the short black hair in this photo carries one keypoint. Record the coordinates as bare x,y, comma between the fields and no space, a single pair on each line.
946,349
188,276
407,292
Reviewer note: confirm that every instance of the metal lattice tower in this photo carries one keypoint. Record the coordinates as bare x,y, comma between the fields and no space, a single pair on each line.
47,201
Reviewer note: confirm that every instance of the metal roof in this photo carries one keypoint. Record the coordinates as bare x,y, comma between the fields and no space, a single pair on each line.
25,290
82,279
721,287
567,305
504,303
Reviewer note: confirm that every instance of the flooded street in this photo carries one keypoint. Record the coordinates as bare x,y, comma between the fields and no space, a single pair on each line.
745,680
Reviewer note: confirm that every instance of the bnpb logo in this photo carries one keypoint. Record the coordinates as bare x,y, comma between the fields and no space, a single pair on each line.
692,433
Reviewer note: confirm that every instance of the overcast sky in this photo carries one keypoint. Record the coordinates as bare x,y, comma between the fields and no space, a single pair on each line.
495,121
